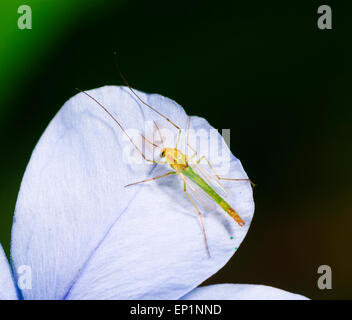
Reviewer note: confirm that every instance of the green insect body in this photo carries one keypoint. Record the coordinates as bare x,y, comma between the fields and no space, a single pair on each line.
178,161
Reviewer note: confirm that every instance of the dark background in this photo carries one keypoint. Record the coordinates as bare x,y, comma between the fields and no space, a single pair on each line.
261,68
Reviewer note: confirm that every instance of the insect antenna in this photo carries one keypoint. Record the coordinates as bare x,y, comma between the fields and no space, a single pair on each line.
146,104
113,118
161,137
153,144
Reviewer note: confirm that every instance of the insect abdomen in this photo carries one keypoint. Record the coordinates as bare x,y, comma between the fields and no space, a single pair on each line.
232,213
219,200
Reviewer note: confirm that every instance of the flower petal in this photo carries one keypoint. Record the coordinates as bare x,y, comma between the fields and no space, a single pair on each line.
87,237
7,287
228,291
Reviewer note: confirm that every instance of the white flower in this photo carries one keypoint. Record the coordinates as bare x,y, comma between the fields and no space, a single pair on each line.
85,236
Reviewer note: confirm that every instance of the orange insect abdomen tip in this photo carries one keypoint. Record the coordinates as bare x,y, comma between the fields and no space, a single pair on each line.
236,217
239,220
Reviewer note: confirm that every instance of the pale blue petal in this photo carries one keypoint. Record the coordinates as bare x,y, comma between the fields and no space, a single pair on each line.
229,291
87,237
7,287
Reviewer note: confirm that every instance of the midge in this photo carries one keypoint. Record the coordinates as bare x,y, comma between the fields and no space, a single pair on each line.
201,183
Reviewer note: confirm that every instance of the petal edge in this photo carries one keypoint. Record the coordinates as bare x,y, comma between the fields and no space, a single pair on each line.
229,291
7,286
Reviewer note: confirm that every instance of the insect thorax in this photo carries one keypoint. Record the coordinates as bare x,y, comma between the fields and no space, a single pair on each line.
176,159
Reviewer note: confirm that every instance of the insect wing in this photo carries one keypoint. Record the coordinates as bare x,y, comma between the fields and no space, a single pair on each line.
204,200
211,179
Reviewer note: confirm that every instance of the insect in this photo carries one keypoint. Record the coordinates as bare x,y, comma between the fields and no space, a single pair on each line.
198,183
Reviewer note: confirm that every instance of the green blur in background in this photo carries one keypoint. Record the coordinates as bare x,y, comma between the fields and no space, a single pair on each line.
262,69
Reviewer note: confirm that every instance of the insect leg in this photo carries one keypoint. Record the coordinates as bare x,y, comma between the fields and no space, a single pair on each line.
195,151
221,178
178,137
230,179
163,175
200,219
209,164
